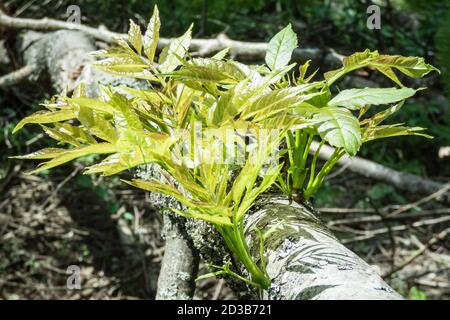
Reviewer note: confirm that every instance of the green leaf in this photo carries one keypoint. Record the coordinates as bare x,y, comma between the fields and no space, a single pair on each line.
135,37
340,128
250,197
97,124
177,49
390,131
151,36
356,98
91,103
125,67
209,70
67,133
382,115
124,116
280,48
216,220
278,100
163,55
221,54
42,117
350,63
71,154
46,153
211,213
414,67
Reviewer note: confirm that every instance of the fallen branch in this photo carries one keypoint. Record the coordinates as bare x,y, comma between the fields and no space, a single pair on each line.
179,266
376,218
201,47
305,261
369,169
15,77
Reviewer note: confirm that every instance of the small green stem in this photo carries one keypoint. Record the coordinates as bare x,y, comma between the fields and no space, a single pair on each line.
313,165
235,240
306,151
318,180
290,145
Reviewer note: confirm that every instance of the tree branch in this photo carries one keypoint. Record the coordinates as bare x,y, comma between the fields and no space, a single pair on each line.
201,47
16,76
404,181
180,263
304,259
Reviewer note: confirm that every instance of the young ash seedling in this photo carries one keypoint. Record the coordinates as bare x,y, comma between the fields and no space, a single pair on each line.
222,132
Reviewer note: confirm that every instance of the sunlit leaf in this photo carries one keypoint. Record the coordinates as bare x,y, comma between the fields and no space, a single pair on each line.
414,67
390,131
177,49
71,154
221,54
340,128
356,98
135,37
280,48
211,70
46,153
151,35
43,117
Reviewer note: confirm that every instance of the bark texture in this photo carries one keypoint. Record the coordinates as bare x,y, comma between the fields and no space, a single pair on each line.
305,261
180,263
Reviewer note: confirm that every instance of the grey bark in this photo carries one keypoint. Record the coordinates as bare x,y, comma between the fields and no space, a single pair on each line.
57,57
15,77
180,263
305,260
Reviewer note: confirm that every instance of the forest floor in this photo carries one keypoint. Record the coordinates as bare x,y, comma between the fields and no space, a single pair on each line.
49,222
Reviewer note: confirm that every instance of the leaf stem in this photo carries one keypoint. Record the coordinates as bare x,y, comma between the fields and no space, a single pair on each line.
318,180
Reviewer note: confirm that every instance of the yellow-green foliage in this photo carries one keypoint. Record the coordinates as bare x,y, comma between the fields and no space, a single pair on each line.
215,97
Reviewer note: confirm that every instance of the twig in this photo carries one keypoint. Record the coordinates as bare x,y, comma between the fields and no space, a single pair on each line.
60,185
390,232
179,266
374,218
428,198
441,236
218,290
433,284
202,47
372,233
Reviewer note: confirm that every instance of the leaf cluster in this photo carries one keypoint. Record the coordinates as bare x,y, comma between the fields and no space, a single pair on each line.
198,113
